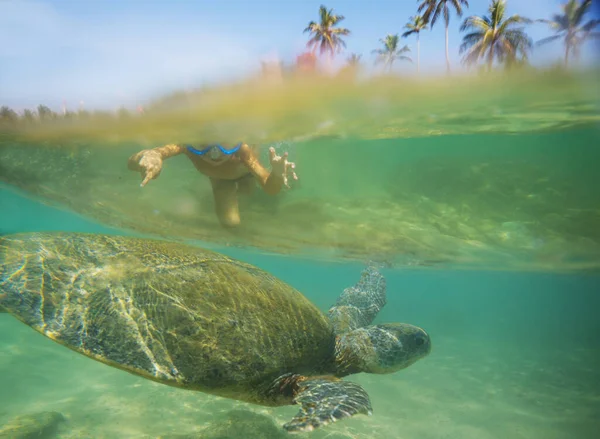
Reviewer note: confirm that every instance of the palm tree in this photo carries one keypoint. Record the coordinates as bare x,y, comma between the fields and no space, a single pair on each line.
391,52
415,26
353,60
8,115
325,35
569,26
45,113
494,36
433,9
352,67
28,116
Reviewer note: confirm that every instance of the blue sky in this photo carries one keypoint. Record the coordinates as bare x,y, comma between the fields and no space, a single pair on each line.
109,53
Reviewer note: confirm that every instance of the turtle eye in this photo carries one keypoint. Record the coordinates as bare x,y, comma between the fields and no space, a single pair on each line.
419,341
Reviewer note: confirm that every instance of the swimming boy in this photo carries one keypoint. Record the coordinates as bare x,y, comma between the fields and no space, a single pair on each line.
229,168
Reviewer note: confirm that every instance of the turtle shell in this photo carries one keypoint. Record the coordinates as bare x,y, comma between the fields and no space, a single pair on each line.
170,312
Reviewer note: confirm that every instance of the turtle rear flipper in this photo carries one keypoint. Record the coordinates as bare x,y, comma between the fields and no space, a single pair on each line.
325,401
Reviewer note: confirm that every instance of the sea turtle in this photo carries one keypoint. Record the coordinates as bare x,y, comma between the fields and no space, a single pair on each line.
195,319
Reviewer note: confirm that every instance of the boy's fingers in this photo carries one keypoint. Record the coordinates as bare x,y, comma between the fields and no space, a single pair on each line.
146,179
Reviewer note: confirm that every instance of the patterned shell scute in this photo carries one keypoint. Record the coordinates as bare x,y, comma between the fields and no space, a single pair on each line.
170,312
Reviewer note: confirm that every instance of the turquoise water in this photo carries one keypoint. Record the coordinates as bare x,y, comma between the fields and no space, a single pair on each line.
515,355
479,197
493,201
495,172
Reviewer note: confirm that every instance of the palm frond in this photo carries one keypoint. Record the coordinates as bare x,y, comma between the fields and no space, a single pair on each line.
561,20
551,23
517,43
470,40
414,26
580,11
458,6
512,20
311,27
323,14
519,38
548,40
428,6
340,31
436,12
472,57
475,22
446,11
590,25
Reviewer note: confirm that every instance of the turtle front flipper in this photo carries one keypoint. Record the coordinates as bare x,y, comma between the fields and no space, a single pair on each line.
325,400
358,305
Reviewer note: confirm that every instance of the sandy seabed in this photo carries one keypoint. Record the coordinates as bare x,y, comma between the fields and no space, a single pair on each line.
465,389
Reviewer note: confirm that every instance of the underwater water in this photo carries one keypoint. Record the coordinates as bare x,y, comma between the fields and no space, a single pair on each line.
496,173
514,355
485,220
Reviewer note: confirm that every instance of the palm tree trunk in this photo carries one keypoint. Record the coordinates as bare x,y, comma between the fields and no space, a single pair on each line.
447,56
418,53
491,58
567,49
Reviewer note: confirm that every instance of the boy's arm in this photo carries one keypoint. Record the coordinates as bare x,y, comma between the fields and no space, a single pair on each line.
149,161
163,152
271,182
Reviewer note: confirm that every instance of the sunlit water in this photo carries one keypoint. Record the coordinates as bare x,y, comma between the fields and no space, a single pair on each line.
514,355
494,174
490,237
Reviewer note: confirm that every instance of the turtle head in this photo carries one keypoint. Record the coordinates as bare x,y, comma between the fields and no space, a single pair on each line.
381,349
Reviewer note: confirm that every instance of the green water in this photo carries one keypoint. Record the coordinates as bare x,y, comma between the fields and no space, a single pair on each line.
495,201
491,172
514,355
480,202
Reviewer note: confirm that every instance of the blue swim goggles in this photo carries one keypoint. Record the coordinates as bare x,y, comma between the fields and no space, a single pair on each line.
214,149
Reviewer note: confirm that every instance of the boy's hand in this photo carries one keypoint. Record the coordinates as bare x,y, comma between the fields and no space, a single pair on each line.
281,166
150,166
